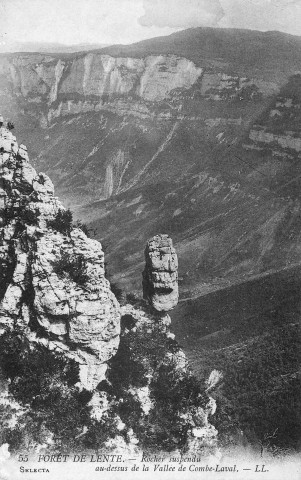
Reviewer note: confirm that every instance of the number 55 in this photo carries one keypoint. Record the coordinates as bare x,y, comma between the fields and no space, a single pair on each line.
23,458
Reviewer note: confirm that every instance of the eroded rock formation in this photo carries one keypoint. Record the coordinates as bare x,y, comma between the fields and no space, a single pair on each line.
52,281
160,276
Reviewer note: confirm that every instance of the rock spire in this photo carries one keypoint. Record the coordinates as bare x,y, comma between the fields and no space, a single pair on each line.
160,276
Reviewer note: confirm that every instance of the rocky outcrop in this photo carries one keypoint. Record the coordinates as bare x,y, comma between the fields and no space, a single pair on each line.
160,276
277,130
146,341
287,141
53,285
221,86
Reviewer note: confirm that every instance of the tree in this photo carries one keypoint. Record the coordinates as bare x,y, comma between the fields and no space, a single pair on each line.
62,222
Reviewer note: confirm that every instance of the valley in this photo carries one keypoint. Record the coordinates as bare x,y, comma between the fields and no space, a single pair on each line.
183,134
195,135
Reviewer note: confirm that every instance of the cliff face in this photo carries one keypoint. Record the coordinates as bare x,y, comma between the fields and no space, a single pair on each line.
52,280
277,130
85,83
288,141
50,87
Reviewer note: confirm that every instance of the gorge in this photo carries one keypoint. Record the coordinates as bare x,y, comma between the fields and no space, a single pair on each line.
196,133
197,136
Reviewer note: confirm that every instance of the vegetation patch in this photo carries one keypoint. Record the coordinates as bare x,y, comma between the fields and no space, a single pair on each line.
261,390
73,265
148,359
43,382
62,222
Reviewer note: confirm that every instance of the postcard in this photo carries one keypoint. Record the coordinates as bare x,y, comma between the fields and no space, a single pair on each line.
150,239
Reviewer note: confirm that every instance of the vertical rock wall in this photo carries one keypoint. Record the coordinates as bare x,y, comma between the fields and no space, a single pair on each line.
52,281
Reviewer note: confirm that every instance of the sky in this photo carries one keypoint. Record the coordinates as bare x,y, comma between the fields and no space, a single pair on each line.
127,21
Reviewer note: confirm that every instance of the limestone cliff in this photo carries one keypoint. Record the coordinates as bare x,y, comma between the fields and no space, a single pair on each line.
85,83
277,131
278,143
52,279
48,87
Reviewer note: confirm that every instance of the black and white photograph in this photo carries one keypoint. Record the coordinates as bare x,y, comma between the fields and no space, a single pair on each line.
150,239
